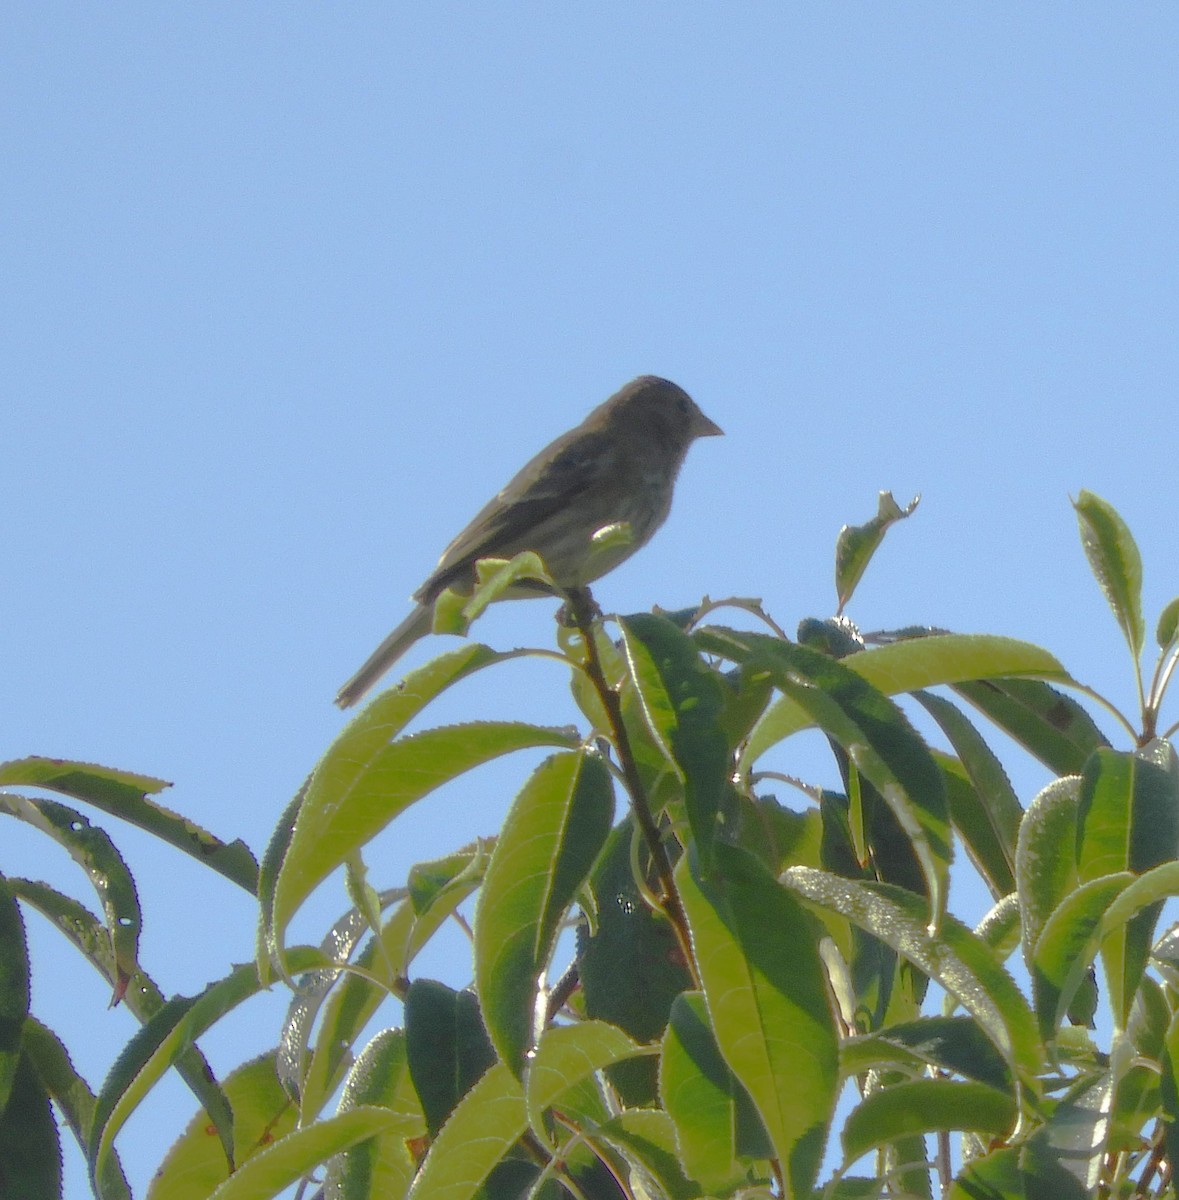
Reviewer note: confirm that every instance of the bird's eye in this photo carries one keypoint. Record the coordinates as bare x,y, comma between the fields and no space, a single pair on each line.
682,403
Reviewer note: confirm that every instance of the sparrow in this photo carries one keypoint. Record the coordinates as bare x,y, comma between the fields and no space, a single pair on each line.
618,466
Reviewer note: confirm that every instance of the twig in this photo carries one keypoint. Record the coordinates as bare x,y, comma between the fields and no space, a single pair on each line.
583,611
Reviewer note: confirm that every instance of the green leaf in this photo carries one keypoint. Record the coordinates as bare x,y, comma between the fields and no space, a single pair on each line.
480,1133
767,1001
904,666
1067,945
437,884
1047,723
1149,1019
382,1165
994,1177
921,1106
951,1044
355,996
856,544
30,1151
336,1008
1062,1160
49,1058
353,752
1044,874
567,1056
456,611
1115,562
1089,918
880,743
161,1043
290,1158
1000,926
1128,820
124,795
990,825
92,849
14,989
364,782
955,958
715,1121
447,1047
1167,630
631,967
552,834
262,1113
646,1138
83,929
681,701
1169,1088
142,997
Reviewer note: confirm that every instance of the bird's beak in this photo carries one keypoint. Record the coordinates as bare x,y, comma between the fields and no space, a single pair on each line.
706,428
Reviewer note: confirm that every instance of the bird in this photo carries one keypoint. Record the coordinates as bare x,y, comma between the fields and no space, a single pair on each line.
618,466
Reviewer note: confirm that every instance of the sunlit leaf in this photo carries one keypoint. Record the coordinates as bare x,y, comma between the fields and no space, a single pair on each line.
1115,562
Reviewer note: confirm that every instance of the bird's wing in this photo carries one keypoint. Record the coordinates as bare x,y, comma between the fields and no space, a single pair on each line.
564,473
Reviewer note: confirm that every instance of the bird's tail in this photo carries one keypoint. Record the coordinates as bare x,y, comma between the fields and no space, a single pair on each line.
415,626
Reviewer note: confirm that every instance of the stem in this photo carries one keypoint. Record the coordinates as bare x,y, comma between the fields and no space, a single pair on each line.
1162,678
944,1169
583,611
1098,698
745,604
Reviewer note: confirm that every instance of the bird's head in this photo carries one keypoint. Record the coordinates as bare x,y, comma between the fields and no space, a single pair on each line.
657,412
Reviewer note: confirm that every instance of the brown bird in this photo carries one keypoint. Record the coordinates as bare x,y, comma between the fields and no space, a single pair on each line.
618,465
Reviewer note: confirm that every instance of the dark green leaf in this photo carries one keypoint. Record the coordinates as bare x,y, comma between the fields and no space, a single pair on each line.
30,1150
681,701
1046,722
990,826
92,849
1169,1088
952,1044
14,989
880,743
446,1045
631,967
70,1093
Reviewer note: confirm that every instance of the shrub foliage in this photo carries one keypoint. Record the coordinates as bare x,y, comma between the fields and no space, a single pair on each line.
693,973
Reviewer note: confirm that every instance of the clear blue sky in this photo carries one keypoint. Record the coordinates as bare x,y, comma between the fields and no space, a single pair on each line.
289,291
